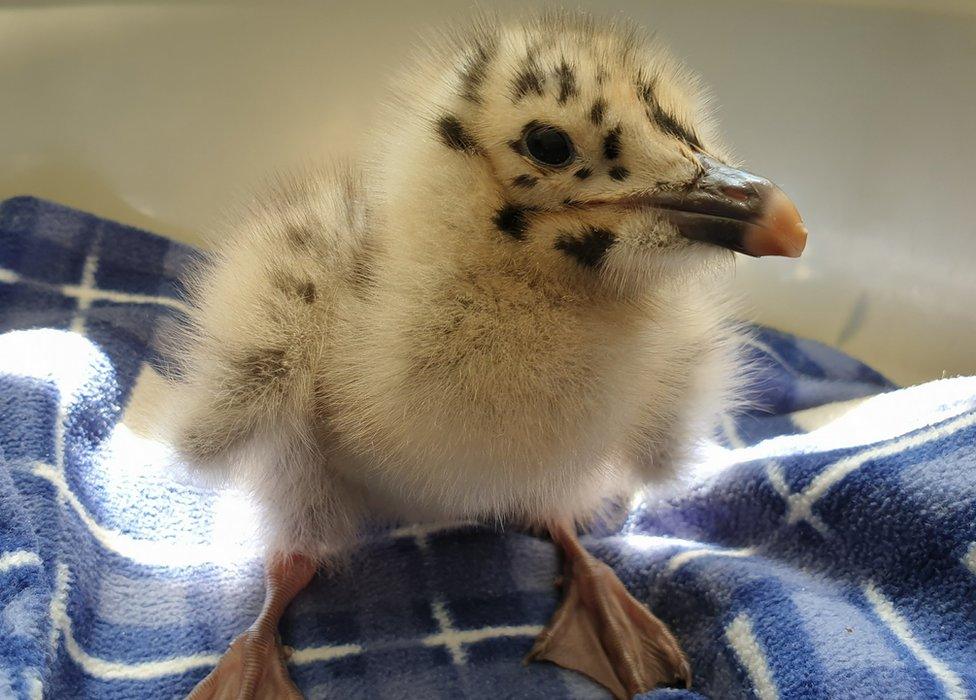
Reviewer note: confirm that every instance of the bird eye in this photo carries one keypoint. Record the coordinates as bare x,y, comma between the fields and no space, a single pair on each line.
549,146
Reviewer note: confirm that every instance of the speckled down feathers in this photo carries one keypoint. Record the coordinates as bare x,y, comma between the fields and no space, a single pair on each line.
439,331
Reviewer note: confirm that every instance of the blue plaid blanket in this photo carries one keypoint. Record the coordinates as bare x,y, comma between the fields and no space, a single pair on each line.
823,547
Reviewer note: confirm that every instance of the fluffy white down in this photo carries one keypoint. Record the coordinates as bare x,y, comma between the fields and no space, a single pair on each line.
367,343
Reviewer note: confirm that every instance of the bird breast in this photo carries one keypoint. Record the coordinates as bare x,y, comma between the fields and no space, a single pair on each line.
497,394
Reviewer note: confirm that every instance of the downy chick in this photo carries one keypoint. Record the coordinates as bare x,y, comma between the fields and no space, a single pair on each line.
514,309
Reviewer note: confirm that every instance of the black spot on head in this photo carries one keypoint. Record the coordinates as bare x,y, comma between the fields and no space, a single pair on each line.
528,78
619,172
664,120
299,236
598,110
567,82
513,220
453,135
645,90
293,287
525,181
474,72
671,126
611,144
583,173
306,290
589,249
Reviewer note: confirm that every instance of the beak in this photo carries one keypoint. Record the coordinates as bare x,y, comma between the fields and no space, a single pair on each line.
734,209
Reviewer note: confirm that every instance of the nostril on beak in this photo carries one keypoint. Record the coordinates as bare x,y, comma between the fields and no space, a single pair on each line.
739,194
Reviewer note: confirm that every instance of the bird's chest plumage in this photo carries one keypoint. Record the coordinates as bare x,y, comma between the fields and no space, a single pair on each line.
493,394
510,360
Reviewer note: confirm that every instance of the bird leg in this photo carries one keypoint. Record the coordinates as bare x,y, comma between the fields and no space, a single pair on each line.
253,668
601,631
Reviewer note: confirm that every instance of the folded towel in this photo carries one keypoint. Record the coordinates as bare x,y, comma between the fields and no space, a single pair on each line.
824,546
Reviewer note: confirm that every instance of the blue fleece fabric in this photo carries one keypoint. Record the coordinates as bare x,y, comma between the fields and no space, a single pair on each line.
823,547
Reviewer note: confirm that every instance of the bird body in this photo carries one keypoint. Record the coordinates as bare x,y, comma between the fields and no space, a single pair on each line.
454,383
503,313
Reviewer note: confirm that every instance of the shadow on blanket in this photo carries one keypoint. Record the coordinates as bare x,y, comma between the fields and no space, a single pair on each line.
824,549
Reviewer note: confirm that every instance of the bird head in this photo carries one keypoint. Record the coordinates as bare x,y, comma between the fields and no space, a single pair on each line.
585,149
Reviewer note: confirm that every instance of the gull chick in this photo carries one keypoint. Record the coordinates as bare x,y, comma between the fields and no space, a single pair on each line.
513,309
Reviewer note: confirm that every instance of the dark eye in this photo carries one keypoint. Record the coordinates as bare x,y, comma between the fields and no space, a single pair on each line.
549,146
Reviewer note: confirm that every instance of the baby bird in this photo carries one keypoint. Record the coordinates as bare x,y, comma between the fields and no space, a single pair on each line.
514,310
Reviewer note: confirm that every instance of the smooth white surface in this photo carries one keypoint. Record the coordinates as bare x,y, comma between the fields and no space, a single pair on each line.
164,115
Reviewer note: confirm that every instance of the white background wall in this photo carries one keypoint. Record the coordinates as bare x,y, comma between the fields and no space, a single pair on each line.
163,114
